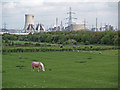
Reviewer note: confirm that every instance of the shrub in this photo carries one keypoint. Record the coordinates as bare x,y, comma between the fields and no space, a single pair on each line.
86,42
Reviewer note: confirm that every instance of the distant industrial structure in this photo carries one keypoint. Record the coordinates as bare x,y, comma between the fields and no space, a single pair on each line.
72,25
40,28
104,28
77,27
30,26
29,22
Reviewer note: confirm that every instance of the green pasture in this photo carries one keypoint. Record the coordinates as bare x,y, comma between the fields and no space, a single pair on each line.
84,69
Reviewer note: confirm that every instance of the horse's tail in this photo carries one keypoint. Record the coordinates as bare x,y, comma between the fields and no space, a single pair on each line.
43,68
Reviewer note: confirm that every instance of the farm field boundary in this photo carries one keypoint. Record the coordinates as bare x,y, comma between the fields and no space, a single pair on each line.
44,49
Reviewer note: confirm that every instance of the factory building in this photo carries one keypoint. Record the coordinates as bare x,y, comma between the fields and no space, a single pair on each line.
104,28
77,27
108,27
72,26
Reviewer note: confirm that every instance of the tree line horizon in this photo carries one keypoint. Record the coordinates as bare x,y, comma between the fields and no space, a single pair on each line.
68,37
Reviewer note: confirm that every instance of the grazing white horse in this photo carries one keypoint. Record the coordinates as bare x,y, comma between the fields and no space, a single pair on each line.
39,65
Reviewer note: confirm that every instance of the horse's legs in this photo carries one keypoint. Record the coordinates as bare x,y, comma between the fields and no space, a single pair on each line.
38,69
33,69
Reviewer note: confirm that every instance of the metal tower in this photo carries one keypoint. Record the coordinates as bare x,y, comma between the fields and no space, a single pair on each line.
56,24
85,22
70,18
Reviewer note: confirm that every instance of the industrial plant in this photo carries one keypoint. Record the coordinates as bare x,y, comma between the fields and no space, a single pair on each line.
30,26
39,28
71,26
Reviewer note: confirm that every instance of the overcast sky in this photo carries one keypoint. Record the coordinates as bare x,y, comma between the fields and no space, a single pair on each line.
45,12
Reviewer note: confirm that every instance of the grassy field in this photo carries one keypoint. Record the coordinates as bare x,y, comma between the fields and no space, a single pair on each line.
85,69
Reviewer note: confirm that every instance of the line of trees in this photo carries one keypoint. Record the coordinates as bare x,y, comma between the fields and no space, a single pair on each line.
69,37
28,44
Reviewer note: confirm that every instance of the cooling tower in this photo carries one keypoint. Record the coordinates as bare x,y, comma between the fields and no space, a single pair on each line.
29,21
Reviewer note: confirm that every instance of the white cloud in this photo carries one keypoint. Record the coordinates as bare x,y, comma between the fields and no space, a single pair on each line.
9,5
31,3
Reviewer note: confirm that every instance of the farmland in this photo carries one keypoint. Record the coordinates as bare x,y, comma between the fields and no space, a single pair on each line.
80,59
84,69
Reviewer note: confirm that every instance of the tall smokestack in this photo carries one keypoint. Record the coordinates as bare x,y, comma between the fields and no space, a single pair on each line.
56,23
61,26
84,23
29,20
96,24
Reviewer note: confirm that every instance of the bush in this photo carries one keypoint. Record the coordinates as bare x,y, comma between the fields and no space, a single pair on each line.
71,41
86,42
